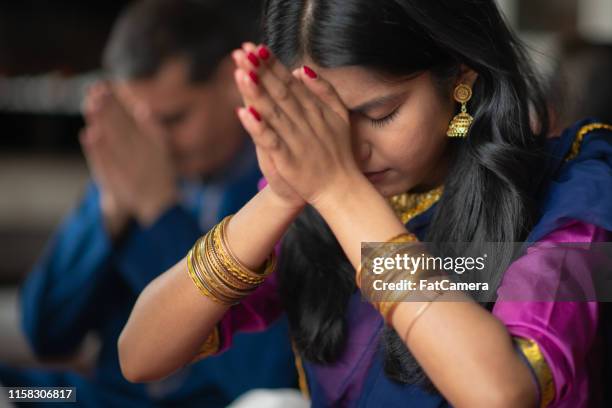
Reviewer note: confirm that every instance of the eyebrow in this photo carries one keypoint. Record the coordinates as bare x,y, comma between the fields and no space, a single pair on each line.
376,102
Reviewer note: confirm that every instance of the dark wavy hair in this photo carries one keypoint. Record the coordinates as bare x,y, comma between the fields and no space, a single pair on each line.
493,173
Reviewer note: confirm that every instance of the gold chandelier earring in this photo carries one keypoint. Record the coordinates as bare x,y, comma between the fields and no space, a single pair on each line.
460,125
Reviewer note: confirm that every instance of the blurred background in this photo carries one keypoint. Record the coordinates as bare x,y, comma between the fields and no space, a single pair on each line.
50,52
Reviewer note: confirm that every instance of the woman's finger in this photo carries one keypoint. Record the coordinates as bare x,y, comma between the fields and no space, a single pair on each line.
284,78
270,112
262,135
281,86
323,90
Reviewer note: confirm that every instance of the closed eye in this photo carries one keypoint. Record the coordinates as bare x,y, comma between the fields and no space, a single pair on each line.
378,123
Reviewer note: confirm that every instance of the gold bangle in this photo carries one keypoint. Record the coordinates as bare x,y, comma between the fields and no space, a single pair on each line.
238,266
209,281
214,275
203,278
228,278
196,279
220,251
386,309
404,237
418,314
217,273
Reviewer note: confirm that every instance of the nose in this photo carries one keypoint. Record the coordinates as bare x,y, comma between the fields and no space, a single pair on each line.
363,151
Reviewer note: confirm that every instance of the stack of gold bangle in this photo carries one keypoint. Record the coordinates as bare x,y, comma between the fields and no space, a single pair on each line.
403,238
389,301
217,273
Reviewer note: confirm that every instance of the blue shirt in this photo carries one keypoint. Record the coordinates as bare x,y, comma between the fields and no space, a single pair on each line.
85,283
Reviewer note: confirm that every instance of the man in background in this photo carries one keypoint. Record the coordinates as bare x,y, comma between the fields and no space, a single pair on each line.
169,160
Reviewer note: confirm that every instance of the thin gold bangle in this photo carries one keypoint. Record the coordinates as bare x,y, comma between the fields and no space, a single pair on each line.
217,273
226,276
209,279
217,251
418,314
403,237
240,268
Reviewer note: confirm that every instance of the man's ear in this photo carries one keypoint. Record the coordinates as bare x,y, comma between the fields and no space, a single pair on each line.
466,76
224,79
225,69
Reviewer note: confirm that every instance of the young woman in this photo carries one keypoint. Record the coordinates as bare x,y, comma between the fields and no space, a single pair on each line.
351,104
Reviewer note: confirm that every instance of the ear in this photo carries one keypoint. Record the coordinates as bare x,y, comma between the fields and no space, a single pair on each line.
466,76
224,80
225,68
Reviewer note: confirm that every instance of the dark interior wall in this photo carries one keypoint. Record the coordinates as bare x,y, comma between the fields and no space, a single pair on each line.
38,36
40,153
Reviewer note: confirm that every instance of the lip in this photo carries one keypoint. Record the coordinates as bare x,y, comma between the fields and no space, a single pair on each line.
376,176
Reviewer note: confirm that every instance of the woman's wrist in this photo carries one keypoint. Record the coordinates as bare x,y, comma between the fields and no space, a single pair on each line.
340,194
283,204
258,226
356,212
355,201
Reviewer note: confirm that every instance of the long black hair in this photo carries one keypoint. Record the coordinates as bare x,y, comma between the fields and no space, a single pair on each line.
493,173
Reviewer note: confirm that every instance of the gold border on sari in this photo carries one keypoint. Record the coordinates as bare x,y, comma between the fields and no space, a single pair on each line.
210,346
532,352
575,149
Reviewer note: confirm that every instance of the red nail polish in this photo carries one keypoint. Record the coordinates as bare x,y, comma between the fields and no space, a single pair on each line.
253,58
254,77
264,52
309,72
255,114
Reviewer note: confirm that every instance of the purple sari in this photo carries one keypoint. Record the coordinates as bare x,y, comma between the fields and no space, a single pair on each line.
558,340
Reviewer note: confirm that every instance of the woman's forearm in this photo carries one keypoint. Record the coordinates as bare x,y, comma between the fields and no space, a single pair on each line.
167,326
171,319
465,350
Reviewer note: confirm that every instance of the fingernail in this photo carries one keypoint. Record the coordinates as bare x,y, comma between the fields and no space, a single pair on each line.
254,77
309,72
255,114
253,58
237,110
264,52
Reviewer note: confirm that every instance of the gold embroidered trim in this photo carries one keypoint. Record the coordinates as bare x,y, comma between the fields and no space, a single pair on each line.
575,149
211,344
533,354
409,205
302,380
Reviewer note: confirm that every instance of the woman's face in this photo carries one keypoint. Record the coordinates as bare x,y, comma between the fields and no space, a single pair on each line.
399,127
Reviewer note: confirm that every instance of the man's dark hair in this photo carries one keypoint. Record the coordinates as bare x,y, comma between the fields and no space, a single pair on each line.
150,32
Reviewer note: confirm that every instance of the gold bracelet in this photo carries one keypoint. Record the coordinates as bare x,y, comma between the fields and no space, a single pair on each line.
217,273
418,314
215,277
404,237
197,280
201,276
209,280
386,309
215,260
220,251
236,264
